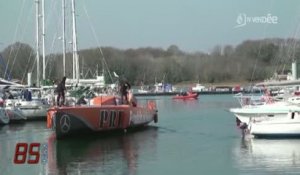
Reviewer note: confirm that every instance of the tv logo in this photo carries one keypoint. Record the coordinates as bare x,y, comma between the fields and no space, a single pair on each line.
243,20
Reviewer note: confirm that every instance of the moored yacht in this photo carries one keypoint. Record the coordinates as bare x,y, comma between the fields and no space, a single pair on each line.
278,126
27,103
198,88
268,118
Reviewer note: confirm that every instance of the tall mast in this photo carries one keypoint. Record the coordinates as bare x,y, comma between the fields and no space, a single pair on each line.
37,44
43,39
75,54
63,37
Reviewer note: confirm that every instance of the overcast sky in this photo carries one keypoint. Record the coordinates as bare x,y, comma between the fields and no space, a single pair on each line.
192,25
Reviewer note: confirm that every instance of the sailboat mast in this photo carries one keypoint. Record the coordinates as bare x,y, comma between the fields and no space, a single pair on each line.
37,44
75,49
63,37
43,39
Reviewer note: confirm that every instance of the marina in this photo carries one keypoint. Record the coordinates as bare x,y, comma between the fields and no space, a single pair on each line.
190,137
199,93
138,88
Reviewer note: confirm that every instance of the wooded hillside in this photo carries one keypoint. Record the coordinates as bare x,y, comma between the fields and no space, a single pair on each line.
251,60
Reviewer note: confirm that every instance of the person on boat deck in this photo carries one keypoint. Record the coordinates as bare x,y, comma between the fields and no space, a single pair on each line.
27,95
124,88
60,89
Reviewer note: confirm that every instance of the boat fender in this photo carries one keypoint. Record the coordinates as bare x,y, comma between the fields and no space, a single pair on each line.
49,120
293,115
50,115
155,118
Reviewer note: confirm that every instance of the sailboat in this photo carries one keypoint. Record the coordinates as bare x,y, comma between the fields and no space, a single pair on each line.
105,114
30,105
76,80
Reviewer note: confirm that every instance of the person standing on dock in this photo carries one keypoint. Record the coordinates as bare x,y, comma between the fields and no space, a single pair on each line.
60,89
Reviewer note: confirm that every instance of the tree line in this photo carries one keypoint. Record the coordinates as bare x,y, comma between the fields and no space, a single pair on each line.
251,60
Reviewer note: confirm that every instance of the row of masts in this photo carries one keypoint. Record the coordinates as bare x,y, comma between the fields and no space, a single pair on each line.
74,42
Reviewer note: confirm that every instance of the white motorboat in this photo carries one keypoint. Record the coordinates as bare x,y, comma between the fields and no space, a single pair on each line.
278,126
278,119
198,88
34,109
276,109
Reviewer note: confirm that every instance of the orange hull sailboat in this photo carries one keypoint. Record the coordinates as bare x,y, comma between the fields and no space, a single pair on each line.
103,115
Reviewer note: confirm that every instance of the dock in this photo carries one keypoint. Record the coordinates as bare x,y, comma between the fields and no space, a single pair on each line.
200,93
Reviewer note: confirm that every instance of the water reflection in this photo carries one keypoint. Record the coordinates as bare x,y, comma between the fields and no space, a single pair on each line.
11,128
268,156
118,154
10,136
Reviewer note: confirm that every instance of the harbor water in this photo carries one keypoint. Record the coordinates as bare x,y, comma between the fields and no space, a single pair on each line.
191,137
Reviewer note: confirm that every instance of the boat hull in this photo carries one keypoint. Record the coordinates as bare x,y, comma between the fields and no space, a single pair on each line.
288,126
246,117
15,114
277,119
261,111
39,112
35,109
72,120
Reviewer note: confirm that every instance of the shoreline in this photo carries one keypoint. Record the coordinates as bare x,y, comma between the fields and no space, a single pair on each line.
221,84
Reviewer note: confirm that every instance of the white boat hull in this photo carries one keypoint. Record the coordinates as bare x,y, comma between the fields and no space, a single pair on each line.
15,114
245,118
35,109
276,126
274,120
279,109
35,113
